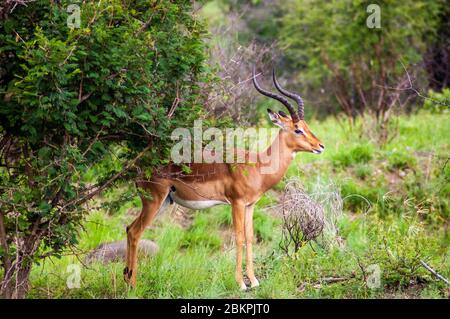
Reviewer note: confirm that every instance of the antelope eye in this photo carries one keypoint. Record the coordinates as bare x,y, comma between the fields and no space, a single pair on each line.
299,132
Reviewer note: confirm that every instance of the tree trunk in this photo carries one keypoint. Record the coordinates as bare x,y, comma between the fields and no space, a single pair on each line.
15,281
23,281
6,290
6,285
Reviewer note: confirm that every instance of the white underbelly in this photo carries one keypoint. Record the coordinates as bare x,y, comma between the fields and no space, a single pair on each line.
195,204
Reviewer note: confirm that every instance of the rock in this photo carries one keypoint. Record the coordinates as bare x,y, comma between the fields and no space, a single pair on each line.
116,251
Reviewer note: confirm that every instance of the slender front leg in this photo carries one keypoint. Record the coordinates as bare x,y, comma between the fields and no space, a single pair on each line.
249,242
238,211
134,231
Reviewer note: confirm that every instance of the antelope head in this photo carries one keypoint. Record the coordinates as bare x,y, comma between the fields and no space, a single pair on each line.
295,131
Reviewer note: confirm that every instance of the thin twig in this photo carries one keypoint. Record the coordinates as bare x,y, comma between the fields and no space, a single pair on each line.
145,25
175,103
410,87
332,280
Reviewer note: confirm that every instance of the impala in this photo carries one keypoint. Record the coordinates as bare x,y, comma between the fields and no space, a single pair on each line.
239,185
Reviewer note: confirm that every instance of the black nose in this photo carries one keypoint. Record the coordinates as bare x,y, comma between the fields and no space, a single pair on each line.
321,145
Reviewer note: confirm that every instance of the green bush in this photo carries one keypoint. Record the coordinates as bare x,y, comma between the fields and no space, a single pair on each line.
398,251
72,98
332,43
358,154
438,102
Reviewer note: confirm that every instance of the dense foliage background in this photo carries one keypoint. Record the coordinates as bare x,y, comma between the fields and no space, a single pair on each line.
327,49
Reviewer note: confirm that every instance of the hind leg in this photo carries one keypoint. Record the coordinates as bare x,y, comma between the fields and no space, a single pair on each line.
150,208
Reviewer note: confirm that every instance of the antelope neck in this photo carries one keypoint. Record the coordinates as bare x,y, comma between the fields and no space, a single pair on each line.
284,159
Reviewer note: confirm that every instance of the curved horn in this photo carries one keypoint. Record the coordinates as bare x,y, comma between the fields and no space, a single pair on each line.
277,97
297,98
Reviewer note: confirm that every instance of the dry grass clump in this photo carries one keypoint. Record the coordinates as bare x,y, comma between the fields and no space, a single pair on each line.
310,216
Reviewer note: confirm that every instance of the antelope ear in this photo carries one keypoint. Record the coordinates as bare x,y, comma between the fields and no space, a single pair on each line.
275,118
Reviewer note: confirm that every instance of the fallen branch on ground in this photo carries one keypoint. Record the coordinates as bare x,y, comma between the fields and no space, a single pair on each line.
434,272
332,280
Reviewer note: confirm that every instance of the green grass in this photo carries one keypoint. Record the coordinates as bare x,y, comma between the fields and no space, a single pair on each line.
395,213
359,154
401,160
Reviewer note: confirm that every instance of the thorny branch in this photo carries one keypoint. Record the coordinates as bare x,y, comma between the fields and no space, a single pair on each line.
411,87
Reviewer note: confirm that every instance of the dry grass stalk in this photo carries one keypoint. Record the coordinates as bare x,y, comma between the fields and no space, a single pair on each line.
309,217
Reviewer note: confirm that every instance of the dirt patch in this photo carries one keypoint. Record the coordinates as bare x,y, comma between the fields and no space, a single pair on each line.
411,292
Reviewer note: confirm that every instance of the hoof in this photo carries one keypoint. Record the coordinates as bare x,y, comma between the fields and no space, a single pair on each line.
127,276
255,283
243,286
